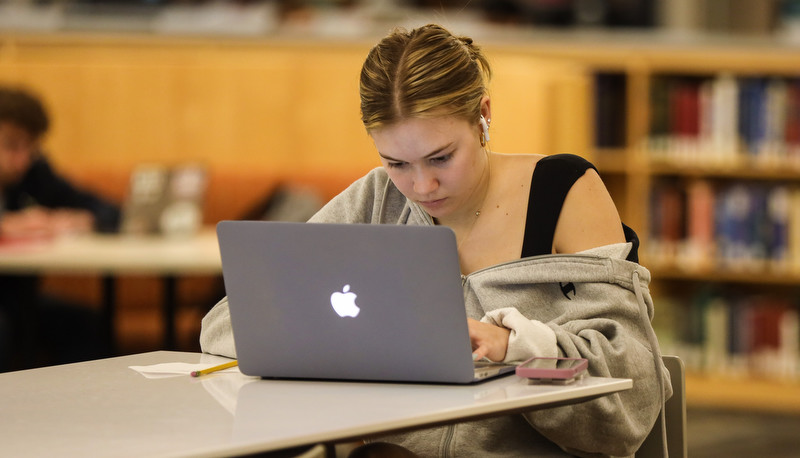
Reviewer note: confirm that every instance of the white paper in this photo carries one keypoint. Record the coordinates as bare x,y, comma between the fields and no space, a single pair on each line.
177,369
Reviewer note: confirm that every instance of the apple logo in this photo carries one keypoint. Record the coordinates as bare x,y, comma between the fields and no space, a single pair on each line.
344,303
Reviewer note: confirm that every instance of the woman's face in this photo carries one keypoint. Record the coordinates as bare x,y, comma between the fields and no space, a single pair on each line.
436,162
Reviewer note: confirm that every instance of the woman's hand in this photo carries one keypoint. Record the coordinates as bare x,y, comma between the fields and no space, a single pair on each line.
488,340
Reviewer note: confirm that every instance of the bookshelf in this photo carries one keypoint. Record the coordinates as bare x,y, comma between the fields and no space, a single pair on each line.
702,159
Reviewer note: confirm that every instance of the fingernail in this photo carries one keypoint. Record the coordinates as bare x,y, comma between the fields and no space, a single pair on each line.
474,356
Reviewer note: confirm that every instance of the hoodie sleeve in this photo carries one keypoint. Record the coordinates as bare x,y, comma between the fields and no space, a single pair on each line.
216,335
582,306
371,199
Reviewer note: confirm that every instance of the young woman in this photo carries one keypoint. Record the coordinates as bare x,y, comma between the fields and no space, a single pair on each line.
425,103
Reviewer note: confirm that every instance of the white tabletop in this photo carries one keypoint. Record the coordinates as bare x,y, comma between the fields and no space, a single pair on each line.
114,254
103,408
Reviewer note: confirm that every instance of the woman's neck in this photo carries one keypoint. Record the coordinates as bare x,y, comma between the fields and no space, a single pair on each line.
465,216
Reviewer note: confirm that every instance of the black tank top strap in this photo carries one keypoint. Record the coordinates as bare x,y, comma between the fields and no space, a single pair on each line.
552,179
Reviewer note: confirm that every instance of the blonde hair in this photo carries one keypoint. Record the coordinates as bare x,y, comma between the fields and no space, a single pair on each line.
422,73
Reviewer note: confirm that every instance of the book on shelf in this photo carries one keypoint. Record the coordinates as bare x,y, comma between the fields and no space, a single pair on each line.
731,334
684,108
610,110
725,120
696,225
793,230
659,113
792,129
700,217
721,118
668,219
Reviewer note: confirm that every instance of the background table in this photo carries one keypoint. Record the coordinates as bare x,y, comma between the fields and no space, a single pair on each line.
114,255
103,408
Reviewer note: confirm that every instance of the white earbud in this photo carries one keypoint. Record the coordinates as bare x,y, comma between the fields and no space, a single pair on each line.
485,127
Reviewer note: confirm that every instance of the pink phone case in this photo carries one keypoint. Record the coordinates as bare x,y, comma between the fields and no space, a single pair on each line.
552,368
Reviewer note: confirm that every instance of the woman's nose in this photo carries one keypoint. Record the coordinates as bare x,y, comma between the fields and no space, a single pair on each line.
425,183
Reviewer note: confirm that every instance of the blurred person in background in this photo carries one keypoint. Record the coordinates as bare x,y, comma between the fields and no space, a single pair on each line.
35,203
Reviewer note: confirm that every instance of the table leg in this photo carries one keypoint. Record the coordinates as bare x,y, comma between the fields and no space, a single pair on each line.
109,292
18,306
170,307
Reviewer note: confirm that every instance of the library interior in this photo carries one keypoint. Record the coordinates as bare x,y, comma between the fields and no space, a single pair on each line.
690,109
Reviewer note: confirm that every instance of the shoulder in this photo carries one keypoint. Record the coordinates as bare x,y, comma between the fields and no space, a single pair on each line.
374,185
516,159
372,198
514,166
556,165
589,217
567,163
377,176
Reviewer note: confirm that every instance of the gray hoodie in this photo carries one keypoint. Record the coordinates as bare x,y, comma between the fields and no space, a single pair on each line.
603,316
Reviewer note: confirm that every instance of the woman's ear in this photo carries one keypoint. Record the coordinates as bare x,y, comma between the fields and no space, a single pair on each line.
486,109
485,119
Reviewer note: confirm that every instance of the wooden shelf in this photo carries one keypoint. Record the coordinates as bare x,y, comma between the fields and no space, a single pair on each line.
743,171
718,275
750,394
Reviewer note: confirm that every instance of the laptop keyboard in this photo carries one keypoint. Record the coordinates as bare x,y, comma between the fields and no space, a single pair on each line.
486,368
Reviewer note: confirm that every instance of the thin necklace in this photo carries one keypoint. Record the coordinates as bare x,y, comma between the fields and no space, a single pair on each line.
488,178
477,212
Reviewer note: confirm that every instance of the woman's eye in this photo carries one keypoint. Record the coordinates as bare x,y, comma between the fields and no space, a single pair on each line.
442,159
396,165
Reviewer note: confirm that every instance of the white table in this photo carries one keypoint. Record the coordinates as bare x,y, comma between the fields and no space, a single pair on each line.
114,255
103,408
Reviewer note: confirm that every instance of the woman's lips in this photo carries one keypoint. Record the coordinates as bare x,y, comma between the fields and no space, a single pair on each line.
433,203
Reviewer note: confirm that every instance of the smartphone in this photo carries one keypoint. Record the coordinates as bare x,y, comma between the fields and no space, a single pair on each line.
553,369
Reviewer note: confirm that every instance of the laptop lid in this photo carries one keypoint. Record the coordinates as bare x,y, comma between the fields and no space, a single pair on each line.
346,301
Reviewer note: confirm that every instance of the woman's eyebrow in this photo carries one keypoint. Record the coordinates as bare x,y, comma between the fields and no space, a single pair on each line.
427,156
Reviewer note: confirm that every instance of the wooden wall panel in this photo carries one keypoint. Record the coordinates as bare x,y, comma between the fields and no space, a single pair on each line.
281,107
539,105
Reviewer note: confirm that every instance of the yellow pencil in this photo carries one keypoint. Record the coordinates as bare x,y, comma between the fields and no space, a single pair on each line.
215,368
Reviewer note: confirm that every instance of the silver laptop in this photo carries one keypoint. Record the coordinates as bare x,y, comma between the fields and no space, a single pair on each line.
348,302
